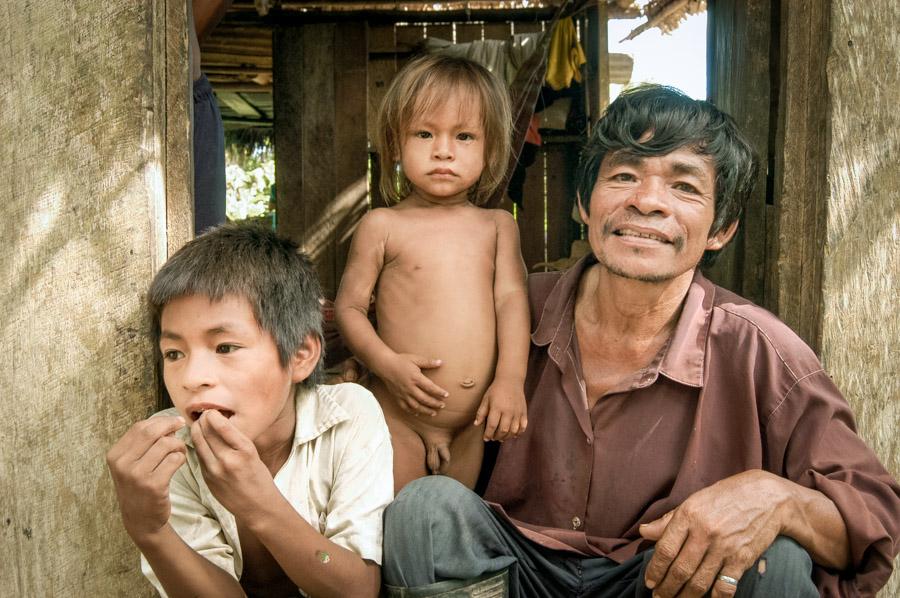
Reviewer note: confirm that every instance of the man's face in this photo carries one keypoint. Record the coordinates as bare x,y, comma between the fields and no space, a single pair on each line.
650,217
216,356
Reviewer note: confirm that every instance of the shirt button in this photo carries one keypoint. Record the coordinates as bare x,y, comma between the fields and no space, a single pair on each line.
576,522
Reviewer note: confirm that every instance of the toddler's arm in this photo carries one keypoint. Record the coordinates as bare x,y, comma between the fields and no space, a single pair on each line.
142,464
401,372
503,406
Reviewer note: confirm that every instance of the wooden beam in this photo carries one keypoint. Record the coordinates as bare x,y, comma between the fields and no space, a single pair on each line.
739,83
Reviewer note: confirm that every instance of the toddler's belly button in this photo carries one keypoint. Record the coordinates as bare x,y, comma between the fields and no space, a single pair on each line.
467,382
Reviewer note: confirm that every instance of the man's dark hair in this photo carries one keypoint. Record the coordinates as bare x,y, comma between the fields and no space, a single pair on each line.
674,120
248,261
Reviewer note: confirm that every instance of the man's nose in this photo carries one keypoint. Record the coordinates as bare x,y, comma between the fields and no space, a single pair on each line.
650,196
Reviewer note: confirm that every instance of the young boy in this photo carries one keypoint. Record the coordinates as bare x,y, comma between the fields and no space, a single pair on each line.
259,481
452,340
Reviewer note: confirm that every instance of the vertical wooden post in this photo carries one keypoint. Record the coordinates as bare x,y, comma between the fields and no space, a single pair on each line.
94,140
739,83
319,97
597,51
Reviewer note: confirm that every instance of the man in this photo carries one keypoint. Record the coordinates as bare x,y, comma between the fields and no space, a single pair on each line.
683,440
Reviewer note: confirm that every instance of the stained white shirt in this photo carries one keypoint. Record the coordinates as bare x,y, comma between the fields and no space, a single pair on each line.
338,477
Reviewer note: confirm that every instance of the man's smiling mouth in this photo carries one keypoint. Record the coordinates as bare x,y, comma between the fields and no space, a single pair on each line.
640,235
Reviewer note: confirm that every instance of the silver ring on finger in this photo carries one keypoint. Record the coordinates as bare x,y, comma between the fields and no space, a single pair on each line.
729,580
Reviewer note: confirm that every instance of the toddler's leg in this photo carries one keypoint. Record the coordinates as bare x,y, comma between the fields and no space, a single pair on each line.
409,452
468,452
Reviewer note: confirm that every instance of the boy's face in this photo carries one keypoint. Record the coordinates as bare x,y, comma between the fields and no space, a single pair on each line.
443,150
216,356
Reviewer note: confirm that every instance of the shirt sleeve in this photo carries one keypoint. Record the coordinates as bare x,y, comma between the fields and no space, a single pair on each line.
196,524
812,436
363,479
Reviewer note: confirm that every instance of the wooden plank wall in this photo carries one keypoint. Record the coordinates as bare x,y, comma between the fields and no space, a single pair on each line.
320,133
95,190
739,82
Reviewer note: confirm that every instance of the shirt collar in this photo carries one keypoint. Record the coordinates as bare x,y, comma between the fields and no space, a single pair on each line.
317,412
553,325
684,355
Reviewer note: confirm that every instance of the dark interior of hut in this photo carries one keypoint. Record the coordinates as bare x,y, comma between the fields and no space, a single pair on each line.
323,67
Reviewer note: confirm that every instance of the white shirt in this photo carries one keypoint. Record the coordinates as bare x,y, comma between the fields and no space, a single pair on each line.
338,477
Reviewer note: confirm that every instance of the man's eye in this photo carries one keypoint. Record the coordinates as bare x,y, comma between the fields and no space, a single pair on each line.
172,355
687,188
226,348
624,177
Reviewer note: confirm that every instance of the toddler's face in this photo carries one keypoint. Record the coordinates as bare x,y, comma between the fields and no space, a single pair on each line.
443,150
216,356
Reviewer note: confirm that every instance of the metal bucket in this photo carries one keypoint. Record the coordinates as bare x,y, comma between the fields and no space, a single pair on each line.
489,585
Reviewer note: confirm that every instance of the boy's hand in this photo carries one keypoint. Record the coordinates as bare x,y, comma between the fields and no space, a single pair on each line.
142,463
503,407
414,391
235,474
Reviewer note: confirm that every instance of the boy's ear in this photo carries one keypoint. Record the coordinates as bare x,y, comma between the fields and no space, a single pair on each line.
305,358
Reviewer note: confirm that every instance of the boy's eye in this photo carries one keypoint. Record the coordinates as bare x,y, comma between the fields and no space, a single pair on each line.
465,137
422,134
226,348
172,355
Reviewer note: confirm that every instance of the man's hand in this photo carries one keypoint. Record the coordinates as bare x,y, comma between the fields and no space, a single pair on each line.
720,530
415,392
142,464
235,474
504,409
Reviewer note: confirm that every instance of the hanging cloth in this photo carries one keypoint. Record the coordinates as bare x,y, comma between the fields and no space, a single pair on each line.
566,55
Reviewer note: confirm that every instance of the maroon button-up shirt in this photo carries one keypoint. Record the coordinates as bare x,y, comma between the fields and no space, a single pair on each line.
734,389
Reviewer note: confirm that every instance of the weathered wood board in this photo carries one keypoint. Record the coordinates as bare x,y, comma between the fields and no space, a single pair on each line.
861,270
93,117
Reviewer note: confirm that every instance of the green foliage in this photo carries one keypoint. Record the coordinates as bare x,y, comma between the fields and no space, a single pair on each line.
249,177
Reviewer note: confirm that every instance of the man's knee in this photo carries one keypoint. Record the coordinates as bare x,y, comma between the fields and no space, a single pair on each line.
423,500
785,569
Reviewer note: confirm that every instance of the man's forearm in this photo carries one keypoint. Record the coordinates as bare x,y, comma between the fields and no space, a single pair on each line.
815,523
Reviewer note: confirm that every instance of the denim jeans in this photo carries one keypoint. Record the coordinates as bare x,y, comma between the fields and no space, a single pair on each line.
437,530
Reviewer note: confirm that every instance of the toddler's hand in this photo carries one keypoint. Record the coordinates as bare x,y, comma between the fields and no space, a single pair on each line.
503,407
414,391
142,464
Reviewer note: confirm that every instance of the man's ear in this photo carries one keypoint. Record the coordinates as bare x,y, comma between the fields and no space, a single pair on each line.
306,358
581,211
721,238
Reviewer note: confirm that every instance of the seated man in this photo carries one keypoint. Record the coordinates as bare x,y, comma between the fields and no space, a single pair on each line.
259,481
683,440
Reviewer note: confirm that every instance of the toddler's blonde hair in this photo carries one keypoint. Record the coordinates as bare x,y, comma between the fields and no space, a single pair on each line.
422,85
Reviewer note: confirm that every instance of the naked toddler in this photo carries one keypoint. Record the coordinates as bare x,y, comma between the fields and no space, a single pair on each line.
448,276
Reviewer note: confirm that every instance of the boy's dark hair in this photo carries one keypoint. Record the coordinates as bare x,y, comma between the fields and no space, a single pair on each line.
251,262
674,120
